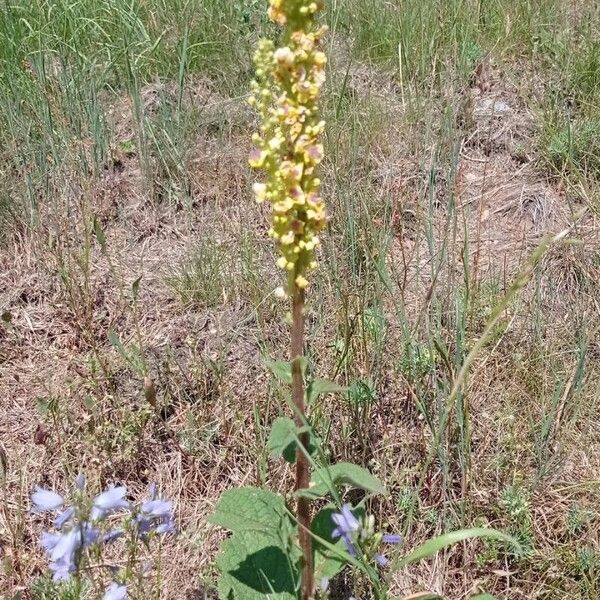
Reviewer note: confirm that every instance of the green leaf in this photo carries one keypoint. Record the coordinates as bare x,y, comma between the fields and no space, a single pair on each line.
253,567
328,563
326,479
483,597
282,369
259,560
318,387
283,439
250,509
431,547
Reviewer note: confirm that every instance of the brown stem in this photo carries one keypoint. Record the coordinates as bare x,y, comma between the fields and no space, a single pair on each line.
302,464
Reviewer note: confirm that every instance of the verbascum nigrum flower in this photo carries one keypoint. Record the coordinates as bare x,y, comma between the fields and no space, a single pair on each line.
288,145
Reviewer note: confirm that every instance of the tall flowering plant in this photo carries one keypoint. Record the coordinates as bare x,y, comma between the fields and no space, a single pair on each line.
291,549
288,149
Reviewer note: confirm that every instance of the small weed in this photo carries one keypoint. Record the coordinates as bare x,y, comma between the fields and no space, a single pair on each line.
579,519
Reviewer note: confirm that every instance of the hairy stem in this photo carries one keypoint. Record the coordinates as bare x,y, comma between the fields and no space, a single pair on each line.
302,464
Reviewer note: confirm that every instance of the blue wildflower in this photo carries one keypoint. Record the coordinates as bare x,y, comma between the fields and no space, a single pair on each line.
115,592
49,540
381,560
392,538
112,535
346,525
64,517
45,500
155,515
109,501
63,554
63,548
80,482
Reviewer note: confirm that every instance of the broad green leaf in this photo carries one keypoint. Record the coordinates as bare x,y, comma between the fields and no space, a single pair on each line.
483,597
327,478
251,509
283,439
431,547
282,369
255,567
318,387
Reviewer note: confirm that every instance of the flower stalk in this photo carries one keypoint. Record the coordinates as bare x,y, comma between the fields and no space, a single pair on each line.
288,149
302,464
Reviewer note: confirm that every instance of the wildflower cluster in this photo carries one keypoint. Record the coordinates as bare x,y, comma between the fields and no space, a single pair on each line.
83,529
359,536
288,147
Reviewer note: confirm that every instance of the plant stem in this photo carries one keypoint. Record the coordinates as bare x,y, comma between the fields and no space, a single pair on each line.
302,464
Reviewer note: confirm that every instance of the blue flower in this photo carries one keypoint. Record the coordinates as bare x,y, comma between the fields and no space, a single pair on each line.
155,515
346,525
49,540
45,500
64,517
63,553
63,548
109,501
381,560
80,482
115,592
166,527
392,538
112,535
158,508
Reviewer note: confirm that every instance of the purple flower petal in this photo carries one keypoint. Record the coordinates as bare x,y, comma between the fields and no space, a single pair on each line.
158,508
62,569
115,592
66,546
109,501
49,540
166,527
80,482
352,523
346,523
88,534
111,536
45,500
381,560
392,538
349,545
64,517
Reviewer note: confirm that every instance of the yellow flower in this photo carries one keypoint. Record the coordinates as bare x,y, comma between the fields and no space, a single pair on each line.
301,282
288,145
